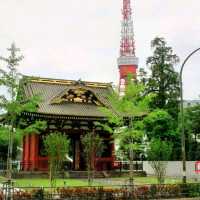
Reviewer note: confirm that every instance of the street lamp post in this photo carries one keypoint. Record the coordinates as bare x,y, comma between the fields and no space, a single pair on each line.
182,115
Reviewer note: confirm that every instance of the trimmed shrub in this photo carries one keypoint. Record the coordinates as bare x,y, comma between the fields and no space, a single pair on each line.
190,189
100,193
38,194
22,195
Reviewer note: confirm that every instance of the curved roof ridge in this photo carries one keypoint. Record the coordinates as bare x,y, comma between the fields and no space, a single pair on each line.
67,82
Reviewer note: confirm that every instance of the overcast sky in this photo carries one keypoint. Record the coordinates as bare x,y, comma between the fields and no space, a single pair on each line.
74,39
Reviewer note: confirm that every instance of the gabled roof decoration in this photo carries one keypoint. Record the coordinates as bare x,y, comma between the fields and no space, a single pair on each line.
68,97
76,95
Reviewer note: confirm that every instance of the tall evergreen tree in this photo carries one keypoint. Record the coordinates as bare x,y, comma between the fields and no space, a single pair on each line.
163,80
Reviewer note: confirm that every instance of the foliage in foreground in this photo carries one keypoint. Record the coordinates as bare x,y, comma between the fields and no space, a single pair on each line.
13,103
102,193
4,141
159,153
56,147
92,147
124,116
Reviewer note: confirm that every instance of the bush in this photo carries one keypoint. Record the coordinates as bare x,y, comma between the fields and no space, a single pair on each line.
87,193
38,194
22,195
168,191
190,189
142,192
158,153
153,191
100,193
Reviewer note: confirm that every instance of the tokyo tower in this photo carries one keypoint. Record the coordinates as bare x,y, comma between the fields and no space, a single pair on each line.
127,61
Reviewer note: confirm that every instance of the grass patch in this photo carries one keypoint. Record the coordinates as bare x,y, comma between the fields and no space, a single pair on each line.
137,181
153,180
97,182
2,178
45,182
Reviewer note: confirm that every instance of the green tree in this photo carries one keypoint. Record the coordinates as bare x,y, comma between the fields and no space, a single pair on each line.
192,131
56,147
158,154
4,141
163,80
142,76
131,139
92,147
13,104
124,115
159,124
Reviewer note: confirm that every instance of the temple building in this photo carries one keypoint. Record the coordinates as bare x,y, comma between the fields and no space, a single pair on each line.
72,108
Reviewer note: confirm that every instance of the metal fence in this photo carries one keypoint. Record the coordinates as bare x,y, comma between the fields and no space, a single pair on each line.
16,165
43,164
125,165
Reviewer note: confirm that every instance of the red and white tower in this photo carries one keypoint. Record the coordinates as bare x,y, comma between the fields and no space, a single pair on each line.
127,62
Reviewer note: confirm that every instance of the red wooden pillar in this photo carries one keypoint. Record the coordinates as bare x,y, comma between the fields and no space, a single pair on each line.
23,154
26,152
34,141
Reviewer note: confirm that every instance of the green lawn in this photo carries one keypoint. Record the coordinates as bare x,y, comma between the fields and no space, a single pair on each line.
45,182
153,180
137,181
2,178
97,182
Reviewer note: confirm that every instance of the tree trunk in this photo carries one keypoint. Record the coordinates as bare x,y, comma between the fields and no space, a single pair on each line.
89,176
131,167
9,159
51,173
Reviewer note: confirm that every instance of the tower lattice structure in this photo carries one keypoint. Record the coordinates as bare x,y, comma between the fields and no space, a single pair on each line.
127,61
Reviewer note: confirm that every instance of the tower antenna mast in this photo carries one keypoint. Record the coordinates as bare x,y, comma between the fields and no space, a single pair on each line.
127,47
127,61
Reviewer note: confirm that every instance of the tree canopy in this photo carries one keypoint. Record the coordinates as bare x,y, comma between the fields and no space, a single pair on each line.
159,124
163,80
124,115
159,152
92,146
192,131
56,147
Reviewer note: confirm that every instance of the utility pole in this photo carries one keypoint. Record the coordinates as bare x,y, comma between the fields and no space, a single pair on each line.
182,116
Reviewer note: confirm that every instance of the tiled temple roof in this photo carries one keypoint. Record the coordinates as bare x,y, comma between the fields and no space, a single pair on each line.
68,97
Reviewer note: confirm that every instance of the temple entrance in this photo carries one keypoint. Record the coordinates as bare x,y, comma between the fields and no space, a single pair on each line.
71,108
